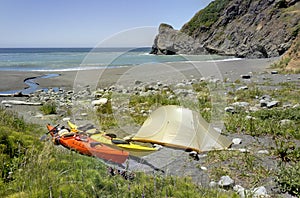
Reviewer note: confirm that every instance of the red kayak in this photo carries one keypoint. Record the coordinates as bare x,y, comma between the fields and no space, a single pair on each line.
88,146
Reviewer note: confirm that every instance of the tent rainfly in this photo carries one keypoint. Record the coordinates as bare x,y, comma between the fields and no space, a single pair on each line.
178,127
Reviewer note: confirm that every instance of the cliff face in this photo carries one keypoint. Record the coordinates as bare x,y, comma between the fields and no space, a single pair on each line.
242,28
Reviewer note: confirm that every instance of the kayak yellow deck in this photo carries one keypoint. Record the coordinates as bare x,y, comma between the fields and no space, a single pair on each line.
102,138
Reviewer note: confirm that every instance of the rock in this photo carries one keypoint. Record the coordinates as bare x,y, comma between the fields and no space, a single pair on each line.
66,119
137,82
263,152
194,155
203,168
273,104
8,105
253,109
263,103
239,28
218,129
99,102
296,106
260,192
241,104
242,88
213,184
241,191
236,141
226,182
83,114
245,76
250,117
243,150
39,115
285,122
230,109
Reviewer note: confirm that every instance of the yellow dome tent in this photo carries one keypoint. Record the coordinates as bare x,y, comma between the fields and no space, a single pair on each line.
178,127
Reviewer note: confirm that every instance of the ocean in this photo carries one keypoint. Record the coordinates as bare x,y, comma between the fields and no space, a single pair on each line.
72,59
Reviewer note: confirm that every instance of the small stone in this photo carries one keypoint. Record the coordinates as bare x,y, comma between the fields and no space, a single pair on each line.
39,115
236,141
245,76
242,88
203,168
241,104
202,155
137,82
180,85
243,150
296,106
260,192
226,182
285,122
101,101
212,184
194,155
263,152
240,190
66,119
272,104
263,103
229,109
8,105
253,109
218,129
250,117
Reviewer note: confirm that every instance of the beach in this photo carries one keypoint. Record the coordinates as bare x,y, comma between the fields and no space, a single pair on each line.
176,71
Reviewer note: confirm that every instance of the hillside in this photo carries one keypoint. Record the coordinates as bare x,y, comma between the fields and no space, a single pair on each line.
248,28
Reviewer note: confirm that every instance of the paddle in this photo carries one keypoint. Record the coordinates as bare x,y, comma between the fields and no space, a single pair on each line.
46,134
119,141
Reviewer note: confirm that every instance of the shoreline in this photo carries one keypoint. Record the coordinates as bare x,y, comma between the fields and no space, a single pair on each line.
14,80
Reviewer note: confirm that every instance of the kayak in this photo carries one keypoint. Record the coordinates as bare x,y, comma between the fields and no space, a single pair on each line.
88,146
102,137
111,139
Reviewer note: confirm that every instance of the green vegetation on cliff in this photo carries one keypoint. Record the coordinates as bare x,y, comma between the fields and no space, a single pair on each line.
206,17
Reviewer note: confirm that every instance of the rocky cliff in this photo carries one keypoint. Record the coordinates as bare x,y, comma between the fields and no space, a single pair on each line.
242,28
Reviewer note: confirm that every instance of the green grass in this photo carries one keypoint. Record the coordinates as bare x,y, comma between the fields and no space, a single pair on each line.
31,168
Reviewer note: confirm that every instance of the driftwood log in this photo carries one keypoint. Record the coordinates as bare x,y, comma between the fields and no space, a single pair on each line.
19,102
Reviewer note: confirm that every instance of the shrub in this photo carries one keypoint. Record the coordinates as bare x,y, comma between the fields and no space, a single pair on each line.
288,179
48,108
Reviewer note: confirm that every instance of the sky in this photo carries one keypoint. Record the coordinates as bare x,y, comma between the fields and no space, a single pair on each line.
88,23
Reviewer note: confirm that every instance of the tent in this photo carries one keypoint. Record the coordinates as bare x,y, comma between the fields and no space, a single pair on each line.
178,127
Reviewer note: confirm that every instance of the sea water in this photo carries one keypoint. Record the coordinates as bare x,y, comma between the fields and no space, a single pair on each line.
68,59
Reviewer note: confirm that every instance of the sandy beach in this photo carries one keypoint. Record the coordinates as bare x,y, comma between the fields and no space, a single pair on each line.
176,71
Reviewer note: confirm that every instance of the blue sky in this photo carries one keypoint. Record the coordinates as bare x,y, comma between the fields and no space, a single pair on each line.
86,23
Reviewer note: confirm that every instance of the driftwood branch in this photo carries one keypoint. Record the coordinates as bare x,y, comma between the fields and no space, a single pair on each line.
19,102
